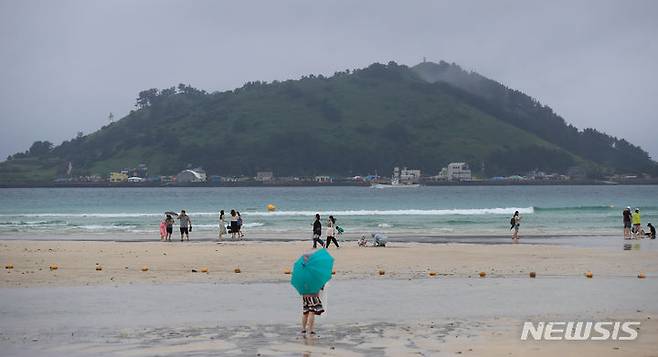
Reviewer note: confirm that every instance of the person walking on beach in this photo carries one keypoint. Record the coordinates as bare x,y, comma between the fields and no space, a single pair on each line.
234,224
185,225
222,225
317,232
516,221
240,222
331,232
627,222
637,223
169,222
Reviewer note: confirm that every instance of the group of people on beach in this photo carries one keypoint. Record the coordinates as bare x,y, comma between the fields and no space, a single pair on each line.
167,226
331,233
633,225
235,226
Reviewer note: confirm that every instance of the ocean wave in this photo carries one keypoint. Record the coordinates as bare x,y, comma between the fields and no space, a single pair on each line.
579,208
401,212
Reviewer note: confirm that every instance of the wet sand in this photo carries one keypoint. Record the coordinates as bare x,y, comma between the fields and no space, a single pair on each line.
364,317
170,310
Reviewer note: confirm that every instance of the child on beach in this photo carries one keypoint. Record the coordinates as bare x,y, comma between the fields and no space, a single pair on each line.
169,222
311,306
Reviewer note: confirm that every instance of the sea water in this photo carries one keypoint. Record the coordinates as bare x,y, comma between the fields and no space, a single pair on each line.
429,211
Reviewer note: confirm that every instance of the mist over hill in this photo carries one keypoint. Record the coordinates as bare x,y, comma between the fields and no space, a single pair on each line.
354,122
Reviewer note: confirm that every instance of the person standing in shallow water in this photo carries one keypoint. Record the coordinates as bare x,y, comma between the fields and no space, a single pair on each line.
516,219
169,222
627,222
185,225
317,232
234,224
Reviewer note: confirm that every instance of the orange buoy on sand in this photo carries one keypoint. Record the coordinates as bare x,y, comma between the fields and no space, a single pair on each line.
237,270
145,268
641,276
589,274
98,267
381,272
532,274
204,270
53,267
482,274
432,273
9,266
287,271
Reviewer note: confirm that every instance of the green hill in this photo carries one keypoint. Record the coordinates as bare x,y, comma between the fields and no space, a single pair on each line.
350,123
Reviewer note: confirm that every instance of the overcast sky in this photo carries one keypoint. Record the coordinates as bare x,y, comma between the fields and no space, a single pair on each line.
65,65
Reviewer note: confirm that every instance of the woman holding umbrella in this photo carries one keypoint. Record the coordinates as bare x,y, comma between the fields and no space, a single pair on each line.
310,273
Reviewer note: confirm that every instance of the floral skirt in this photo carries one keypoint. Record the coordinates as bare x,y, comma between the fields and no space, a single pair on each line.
312,303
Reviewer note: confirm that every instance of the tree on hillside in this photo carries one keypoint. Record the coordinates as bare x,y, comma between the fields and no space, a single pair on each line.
39,148
146,97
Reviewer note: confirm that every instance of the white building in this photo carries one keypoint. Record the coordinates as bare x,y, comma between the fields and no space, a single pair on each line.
459,171
264,176
135,179
188,176
409,175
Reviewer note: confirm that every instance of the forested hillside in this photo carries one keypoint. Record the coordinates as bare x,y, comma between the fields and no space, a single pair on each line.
354,122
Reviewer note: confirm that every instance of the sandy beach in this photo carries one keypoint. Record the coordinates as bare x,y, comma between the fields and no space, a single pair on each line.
173,262
170,310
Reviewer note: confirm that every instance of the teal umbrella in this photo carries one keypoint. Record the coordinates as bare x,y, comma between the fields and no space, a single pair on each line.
311,272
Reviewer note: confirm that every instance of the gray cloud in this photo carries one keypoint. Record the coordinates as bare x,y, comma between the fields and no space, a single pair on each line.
66,64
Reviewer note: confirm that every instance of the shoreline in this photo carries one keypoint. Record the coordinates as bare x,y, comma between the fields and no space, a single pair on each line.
640,182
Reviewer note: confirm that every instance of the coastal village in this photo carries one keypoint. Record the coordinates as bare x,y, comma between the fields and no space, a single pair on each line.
453,174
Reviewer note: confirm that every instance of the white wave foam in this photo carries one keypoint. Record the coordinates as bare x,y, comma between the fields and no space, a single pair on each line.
402,212
384,225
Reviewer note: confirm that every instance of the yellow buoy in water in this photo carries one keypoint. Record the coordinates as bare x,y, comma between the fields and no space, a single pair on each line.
271,208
